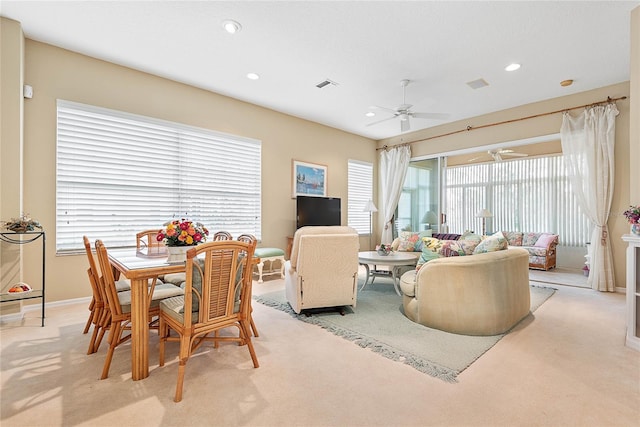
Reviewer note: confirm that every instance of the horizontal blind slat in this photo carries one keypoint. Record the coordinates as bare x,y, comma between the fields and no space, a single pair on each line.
119,173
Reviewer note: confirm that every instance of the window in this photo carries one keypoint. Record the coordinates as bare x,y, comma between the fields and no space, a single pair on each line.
360,191
531,194
119,173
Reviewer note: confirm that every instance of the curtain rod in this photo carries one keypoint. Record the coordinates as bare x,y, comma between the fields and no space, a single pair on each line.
609,100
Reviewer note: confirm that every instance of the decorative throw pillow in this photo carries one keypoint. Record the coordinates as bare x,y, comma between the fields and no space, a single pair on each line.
421,235
529,239
408,241
514,238
468,246
544,240
495,242
470,235
431,243
427,255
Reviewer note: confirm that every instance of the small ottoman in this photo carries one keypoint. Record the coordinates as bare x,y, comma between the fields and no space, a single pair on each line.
270,255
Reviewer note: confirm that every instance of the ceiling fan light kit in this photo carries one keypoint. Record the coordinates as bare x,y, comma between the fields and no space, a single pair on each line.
404,113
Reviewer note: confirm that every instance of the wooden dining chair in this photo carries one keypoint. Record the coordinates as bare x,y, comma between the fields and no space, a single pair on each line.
99,310
147,240
179,278
222,235
249,238
119,303
217,295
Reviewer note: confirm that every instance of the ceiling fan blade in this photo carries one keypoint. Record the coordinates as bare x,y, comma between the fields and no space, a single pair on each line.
404,125
380,121
515,154
475,158
435,116
391,110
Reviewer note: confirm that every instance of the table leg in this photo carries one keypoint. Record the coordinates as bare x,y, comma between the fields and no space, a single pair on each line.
139,329
396,279
366,279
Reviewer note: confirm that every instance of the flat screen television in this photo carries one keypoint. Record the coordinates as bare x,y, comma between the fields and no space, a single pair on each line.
317,211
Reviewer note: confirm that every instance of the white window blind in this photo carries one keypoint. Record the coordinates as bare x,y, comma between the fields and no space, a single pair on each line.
360,191
529,195
119,173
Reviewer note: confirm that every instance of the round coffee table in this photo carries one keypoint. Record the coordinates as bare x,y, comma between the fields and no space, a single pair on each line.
395,260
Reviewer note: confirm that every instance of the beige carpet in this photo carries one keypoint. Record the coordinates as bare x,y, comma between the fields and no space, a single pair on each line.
566,367
560,276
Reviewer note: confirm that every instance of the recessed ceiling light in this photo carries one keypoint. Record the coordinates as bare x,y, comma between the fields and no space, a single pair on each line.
512,67
253,76
370,114
231,26
566,83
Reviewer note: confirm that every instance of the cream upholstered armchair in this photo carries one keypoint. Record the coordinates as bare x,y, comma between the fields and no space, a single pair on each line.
323,269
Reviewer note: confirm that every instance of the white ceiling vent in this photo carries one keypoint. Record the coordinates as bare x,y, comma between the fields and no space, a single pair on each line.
477,84
326,82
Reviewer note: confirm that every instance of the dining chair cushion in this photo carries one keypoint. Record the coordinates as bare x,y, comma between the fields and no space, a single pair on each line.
125,284
160,292
174,307
175,278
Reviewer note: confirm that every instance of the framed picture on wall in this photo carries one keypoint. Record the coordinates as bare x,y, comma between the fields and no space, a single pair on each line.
308,179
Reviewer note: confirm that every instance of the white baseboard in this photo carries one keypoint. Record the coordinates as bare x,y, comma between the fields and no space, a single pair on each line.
12,317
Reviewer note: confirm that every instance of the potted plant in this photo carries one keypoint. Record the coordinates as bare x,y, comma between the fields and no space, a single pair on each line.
180,235
22,224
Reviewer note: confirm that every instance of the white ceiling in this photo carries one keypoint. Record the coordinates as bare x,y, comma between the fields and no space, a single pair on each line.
366,47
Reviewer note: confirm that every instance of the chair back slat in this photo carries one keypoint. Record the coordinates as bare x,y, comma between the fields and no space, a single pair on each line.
108,281
225,279
92,272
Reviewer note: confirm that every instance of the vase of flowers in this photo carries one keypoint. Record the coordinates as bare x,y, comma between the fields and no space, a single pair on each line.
180,236
383,249
633,216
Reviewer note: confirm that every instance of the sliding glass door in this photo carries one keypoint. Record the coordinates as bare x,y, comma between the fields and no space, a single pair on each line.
420,200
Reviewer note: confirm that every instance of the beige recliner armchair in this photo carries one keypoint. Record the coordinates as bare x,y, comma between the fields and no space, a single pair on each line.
323,269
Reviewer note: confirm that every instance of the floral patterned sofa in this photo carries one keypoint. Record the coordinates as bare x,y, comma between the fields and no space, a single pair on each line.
541,247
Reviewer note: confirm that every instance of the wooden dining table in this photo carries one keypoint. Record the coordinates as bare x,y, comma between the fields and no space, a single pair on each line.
139,266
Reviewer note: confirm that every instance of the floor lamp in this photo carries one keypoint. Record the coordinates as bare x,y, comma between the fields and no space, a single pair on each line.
484,214
371,208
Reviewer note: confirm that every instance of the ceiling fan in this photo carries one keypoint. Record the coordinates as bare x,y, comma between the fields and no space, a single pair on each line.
498,155
404,113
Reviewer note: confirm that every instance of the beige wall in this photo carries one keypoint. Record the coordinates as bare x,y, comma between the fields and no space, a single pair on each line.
60,74
11,114
540,126
56,73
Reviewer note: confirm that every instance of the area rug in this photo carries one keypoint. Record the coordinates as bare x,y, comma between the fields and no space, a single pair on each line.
378,323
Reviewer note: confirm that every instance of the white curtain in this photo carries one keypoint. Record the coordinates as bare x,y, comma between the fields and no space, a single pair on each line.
393,168
588,148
